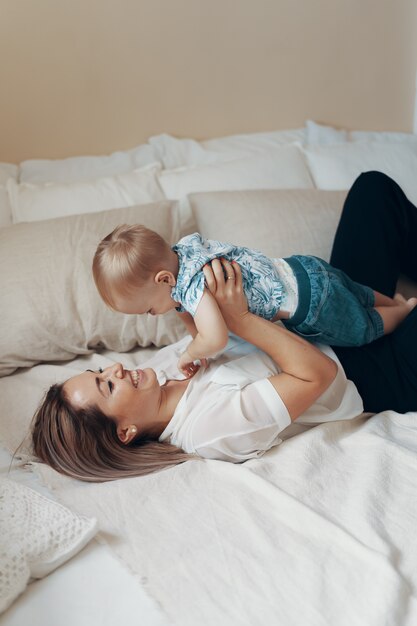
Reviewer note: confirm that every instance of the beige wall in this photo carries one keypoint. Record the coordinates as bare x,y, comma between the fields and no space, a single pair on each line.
92,76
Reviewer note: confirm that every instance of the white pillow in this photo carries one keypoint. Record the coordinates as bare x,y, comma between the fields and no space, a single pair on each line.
32,202
362,135
77,169
278,222
283,167
324,135
50,307
254,142
7,171
337,166
173,152
37,536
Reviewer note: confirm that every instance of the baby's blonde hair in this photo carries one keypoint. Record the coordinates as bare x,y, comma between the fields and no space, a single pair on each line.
126,258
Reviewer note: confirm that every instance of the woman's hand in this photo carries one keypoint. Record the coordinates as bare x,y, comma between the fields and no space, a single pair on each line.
224,281
305,372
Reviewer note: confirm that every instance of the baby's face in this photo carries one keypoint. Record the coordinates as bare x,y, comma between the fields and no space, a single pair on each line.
153,298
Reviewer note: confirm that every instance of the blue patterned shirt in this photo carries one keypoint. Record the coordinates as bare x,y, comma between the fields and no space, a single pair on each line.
261,283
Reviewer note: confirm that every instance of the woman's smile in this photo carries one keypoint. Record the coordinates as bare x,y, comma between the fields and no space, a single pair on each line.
137,377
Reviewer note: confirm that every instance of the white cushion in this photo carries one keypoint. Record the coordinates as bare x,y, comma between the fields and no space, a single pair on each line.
50,307
337,166
173,152
31,202
277,222
252,143
37,536
283,167
323,134
8,171
76,169
384,136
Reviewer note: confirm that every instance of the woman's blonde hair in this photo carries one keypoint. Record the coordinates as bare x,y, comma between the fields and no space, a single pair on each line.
83,443
126,258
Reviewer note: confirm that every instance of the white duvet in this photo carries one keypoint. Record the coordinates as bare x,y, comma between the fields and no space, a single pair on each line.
320,531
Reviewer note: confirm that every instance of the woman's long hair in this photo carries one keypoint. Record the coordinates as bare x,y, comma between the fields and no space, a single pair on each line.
83,443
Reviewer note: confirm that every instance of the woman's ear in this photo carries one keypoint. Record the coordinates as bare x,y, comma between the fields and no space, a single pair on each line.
126,434
165,276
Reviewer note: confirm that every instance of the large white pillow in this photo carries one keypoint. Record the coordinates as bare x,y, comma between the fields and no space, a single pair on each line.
76,169
50,308
8,171
173,152
337,166
323,134
278,222
32,202
283,167
252,143
37,536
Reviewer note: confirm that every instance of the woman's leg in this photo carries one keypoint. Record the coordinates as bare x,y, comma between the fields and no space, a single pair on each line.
376,239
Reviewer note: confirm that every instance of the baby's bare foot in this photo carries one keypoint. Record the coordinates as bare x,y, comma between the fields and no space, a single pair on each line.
399,297
411,303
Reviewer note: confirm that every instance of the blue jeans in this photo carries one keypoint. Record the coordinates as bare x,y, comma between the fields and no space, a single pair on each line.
332,308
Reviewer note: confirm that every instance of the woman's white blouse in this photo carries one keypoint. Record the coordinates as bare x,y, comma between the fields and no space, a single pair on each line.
231,411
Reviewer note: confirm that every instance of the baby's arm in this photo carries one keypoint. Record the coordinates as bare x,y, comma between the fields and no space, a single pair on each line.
189,322
212,333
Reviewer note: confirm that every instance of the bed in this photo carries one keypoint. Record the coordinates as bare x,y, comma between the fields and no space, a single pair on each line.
320,530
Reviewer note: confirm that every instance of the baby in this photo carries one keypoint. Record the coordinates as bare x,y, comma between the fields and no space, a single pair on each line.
136,271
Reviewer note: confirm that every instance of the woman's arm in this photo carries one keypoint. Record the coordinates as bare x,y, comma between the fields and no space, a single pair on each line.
211,335
306,371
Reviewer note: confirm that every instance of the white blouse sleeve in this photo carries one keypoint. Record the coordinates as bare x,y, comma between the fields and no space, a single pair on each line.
248,425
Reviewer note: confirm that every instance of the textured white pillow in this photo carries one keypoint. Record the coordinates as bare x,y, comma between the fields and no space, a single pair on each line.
283,167
32,202
173,152
37,535
76,169
337,166
7,171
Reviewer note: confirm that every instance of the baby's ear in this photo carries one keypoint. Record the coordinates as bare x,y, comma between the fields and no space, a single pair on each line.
165,276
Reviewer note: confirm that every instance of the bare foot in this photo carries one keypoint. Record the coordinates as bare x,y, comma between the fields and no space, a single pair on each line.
399,297
411,303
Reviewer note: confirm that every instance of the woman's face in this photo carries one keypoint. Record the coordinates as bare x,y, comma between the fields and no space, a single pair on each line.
129,396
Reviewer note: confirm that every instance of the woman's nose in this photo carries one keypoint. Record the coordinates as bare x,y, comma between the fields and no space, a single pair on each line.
115,370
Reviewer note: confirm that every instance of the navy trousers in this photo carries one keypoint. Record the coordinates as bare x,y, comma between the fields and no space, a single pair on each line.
375,242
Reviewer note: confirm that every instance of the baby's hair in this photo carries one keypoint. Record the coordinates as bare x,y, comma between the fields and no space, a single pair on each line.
126,258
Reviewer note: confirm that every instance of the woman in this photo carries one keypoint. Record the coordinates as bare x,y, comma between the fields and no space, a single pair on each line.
106,425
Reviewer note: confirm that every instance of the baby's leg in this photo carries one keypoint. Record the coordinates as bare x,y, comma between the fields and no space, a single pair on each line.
383,300
393,310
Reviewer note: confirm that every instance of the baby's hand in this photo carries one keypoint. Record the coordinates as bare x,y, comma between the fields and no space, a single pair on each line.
187,366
